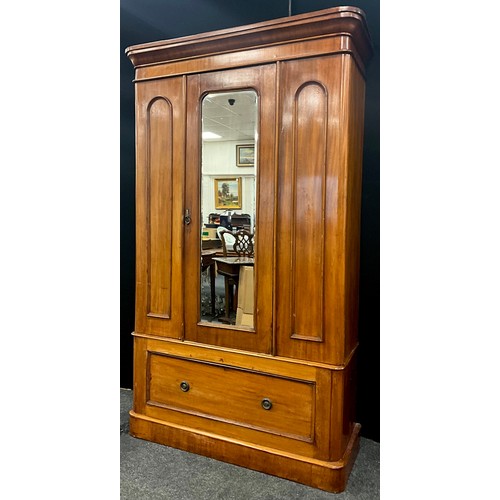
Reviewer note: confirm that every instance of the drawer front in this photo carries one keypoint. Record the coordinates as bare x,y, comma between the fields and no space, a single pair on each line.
266,402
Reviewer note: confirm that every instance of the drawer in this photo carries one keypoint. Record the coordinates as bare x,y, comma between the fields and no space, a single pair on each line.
271,403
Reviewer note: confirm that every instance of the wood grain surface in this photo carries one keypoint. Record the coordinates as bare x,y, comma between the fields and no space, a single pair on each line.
280,397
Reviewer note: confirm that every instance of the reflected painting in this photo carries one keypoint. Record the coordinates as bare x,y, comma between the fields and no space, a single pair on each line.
227,193
245,155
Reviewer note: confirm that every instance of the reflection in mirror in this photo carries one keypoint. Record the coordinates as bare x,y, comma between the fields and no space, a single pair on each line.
228,208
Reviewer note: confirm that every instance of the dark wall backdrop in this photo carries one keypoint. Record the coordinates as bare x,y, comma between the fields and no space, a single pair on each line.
149,20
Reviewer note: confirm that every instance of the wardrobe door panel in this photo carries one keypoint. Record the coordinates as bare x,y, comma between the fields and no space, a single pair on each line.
259,81
160,179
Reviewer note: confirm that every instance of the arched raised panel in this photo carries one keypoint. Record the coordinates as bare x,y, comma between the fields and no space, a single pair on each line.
160,152
309,262
159,207
308,198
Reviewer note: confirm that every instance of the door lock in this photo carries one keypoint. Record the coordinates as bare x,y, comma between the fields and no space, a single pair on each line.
187,217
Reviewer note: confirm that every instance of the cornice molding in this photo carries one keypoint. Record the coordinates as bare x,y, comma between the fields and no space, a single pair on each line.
337,21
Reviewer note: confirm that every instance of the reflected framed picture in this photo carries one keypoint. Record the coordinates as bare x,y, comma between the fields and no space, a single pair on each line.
245,155
227,193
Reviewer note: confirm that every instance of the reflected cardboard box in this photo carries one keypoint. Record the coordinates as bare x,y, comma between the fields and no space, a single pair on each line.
245,311
245,290
243,319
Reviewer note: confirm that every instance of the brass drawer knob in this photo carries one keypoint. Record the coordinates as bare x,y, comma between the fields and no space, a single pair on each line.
266,404
184,386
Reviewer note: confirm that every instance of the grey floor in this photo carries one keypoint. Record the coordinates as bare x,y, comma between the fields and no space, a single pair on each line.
151,471
206,302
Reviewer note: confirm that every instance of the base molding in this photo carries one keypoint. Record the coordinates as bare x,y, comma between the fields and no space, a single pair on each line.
328,476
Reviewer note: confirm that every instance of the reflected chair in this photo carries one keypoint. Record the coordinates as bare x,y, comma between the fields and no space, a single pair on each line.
227,239
240,243
244,243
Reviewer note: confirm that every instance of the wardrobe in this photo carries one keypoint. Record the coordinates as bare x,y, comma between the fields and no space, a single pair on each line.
261,123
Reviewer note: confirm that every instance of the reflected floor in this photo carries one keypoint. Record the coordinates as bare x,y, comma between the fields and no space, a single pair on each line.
220,300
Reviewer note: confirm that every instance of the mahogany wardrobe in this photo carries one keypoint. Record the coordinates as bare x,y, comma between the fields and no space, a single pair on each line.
249,356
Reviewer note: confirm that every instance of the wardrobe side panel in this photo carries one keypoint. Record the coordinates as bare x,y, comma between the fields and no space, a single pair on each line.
354,110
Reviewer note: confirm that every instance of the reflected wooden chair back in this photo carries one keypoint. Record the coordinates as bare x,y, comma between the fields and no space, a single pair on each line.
241,242
244,244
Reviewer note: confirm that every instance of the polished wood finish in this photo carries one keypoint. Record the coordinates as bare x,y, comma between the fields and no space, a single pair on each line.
346,22
325,475
278,397
234,395
261,79
323,386
160,134
319,208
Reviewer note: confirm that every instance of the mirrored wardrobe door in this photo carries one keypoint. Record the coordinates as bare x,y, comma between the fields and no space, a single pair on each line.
228,209
228,242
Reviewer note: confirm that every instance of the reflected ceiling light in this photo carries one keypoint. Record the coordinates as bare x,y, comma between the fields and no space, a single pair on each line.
210,135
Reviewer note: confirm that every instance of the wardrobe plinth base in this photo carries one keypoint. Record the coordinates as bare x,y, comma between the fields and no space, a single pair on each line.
328,476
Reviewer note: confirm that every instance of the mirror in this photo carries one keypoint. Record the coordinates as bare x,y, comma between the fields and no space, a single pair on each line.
228,208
